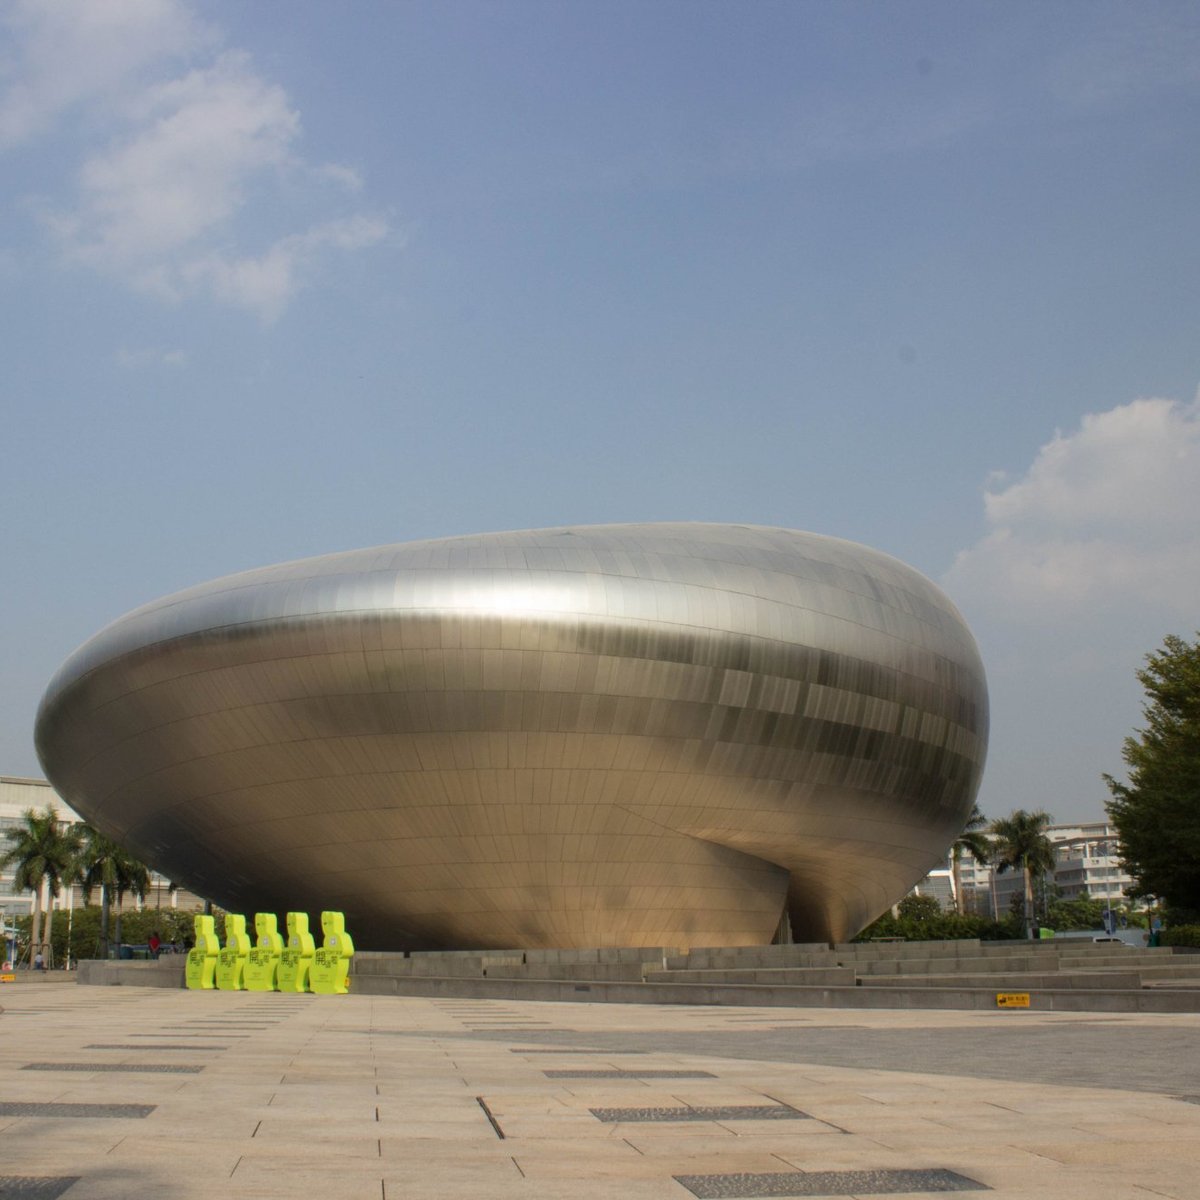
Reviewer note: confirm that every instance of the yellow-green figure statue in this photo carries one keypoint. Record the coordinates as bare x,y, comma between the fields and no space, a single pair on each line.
330,974
263,964
231,962
297,956
202,957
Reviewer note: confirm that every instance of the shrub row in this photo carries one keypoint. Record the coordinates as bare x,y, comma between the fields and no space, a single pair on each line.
1181,935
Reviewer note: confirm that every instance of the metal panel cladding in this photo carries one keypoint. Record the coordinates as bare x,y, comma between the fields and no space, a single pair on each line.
659,734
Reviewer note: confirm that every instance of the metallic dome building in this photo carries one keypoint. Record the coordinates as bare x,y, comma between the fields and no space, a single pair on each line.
621,735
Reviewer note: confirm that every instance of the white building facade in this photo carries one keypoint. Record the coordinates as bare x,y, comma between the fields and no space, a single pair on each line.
17,797
1087,862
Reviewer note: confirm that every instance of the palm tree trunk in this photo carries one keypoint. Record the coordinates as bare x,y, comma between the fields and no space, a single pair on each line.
35,923
956,872
47,900
104,906
1028,903
48,917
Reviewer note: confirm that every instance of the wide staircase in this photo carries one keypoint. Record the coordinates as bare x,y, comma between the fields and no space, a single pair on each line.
1063,975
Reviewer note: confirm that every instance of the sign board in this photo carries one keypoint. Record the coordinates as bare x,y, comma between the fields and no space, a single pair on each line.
1012,999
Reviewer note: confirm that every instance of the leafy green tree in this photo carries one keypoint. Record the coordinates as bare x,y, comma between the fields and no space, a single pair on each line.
973,841
1157,813
918,908
1080,913
45,853
107,866
918,923
1019,842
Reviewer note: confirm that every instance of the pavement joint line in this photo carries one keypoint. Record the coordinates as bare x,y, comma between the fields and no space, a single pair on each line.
487,1112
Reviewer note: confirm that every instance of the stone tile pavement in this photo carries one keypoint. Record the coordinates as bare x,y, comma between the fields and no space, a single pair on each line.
384,1098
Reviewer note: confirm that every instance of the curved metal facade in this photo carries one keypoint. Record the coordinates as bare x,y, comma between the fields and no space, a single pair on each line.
657,734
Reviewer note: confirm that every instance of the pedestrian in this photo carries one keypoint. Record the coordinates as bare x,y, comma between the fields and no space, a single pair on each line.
39,961
155,944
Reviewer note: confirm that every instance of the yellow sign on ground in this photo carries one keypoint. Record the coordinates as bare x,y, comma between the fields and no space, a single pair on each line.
8,979
1012,999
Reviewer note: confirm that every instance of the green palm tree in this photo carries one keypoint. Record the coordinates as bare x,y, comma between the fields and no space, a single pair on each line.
974,841
45,853
1020,841
107,866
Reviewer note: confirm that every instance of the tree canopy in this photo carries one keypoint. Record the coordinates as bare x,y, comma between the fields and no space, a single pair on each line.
1157,813
974,841
1019,842
41,848
107,866
45,852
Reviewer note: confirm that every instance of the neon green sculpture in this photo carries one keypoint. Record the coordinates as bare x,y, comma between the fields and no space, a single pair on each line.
263,964
331,964
231,962
202,957
296,958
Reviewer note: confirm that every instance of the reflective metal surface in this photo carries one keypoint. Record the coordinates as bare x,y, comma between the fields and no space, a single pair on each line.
592,736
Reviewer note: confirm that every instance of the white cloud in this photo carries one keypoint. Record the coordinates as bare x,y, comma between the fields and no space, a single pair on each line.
1104,519
70,51
340,174
190,158
186,169
265,284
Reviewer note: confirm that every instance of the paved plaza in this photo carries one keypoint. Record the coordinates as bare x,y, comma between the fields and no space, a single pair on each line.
132,1092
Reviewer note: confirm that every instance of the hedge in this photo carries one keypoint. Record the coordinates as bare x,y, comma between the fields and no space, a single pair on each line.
1180,935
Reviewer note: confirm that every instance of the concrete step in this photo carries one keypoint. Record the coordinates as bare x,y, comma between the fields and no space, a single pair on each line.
752,958
1017,982
807,976
781,996
576,971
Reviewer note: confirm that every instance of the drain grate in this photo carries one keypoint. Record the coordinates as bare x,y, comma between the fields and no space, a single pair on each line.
827,1183
35,1187
131,1068
145,1046
32,1108
729,1112
569,1050
614,1074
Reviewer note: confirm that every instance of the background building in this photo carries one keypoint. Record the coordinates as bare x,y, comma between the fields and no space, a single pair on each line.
1087,862
17,796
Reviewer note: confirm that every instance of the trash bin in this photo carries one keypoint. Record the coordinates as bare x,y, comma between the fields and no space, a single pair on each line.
125,952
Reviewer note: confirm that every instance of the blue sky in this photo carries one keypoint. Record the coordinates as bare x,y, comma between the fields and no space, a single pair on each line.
282,280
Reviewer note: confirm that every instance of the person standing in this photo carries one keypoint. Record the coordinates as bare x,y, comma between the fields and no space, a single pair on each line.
155,944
